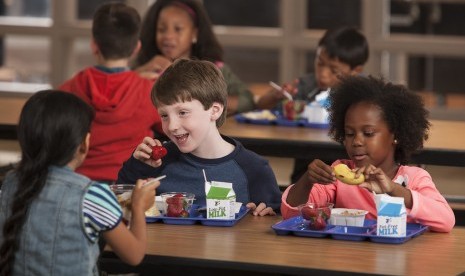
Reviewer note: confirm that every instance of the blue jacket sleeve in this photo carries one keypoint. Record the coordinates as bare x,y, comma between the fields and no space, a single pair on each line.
133,170
263,186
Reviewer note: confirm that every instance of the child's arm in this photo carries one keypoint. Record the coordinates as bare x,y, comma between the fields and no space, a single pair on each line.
274,96
130,244
424,202
378,182
318,172
139,165
154,67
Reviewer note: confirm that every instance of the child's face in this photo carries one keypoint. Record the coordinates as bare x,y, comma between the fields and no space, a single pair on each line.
368,139
175,33
328,71
189,125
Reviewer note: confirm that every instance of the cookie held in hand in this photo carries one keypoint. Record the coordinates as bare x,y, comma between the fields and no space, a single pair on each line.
346,175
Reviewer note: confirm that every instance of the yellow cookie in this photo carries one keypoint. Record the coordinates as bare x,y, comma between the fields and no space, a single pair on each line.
346,175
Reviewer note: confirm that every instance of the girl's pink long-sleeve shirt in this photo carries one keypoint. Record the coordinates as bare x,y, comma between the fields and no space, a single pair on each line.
429,206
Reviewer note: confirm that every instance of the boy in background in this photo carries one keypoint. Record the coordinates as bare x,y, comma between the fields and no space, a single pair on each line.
120,97
341,52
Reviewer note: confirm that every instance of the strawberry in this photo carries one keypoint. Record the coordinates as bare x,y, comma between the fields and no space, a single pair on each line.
158,152
318,224
174,210
289,110
309,213
326,212
176,206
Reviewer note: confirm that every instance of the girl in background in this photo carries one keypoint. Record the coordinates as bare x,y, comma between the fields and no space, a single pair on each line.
182,29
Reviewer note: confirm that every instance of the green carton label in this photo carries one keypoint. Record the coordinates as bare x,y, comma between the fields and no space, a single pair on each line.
218,193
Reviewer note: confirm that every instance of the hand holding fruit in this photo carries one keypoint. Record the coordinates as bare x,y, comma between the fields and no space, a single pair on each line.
377,181
319,172
346,175
150,151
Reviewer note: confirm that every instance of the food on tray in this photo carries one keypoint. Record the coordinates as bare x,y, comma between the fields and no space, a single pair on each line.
352,213
158,152
293,110
124,199
347,217
346,175
178,204
152,211
260,115
316,214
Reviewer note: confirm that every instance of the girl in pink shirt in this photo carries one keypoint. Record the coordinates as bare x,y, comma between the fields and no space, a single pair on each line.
380,125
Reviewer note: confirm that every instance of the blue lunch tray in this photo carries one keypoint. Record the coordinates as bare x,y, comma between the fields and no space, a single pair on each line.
297,226
196,216
280,121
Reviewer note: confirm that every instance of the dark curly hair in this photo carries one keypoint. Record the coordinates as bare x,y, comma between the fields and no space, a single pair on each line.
403,111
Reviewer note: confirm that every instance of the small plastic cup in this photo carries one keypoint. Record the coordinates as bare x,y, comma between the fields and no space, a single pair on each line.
293,110
177,204
123,193
316,215
348,217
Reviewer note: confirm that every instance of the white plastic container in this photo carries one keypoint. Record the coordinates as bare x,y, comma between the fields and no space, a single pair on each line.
347,217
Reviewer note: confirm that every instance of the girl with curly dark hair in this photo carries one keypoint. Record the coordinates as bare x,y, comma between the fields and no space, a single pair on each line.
380,125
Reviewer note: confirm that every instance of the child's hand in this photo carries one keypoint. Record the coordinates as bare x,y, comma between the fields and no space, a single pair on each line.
159,63
376,180
319,172
143,196
291,87
143,152
154,67
260,210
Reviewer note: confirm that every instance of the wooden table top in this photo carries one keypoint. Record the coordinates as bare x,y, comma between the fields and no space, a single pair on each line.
251,243
445,146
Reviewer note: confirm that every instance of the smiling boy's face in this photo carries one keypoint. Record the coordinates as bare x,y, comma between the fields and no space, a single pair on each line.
189,125
328,71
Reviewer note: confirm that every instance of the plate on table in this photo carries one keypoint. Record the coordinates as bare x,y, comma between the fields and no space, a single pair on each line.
296,226
197,215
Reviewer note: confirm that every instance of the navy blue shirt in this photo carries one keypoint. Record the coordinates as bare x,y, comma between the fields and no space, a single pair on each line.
252,177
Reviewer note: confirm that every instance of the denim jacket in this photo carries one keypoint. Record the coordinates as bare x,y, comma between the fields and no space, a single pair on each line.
53,241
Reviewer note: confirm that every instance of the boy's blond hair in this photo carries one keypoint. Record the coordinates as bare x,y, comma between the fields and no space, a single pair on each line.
187,80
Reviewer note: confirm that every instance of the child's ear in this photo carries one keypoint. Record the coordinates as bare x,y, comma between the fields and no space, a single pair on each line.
137,49
84,147
357,70
94,47
216,111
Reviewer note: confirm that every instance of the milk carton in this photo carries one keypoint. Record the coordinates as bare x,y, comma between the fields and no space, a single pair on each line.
221,200
316,111
392,216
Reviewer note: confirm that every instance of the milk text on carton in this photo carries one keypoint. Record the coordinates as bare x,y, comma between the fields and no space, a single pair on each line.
217,211
392,216
388,229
